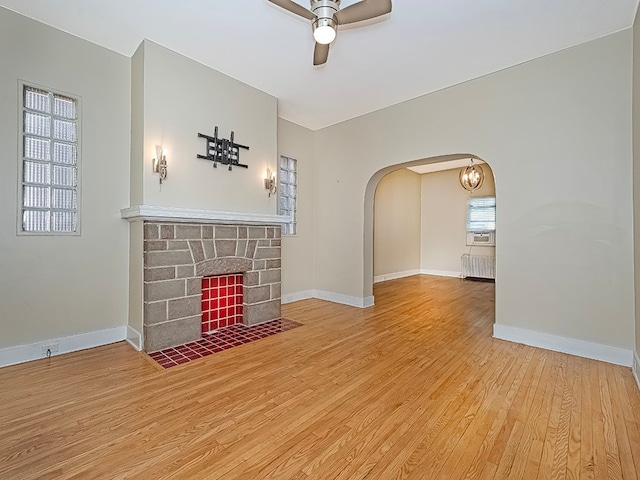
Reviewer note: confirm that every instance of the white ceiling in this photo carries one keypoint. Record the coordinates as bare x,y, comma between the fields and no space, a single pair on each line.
421,47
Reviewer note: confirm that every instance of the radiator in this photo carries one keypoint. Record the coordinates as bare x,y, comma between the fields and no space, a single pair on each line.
478,266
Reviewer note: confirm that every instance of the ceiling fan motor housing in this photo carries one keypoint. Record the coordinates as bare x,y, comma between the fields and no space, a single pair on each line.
324,10
325,16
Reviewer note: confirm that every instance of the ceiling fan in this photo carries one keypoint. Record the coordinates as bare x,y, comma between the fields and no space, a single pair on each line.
325,16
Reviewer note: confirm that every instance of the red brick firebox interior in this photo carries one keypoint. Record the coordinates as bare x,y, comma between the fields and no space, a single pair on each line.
221,301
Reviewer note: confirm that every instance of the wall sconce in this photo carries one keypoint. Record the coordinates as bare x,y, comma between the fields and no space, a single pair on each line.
270,183
160,163
471,177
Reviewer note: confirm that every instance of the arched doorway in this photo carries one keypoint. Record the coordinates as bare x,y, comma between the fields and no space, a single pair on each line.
449,165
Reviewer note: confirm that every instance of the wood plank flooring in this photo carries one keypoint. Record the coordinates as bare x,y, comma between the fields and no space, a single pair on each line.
413,388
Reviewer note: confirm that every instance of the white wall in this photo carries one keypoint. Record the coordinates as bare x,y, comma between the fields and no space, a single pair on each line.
444,220
396,246
183,98
53,286
296,142
564,252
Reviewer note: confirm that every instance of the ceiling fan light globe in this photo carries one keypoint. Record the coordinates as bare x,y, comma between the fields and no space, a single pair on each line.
324,34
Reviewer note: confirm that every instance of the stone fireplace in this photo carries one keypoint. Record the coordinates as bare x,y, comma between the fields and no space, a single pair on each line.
177,255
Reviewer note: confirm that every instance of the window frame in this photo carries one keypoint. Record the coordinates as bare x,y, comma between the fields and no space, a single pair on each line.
22,84
294,220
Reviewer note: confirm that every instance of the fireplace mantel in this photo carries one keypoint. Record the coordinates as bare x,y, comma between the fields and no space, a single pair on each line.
154,213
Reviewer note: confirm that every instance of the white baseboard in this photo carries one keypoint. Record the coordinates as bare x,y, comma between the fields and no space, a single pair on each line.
134,338
360,302
33,351
441,273
369,301
409,273
393,276
636,368
572,346
297,296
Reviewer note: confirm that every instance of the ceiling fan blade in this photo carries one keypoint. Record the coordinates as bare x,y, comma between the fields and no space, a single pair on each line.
293,7
320,53
363,10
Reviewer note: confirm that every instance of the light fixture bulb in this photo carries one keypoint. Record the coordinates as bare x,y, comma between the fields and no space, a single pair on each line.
270,183
160,163
324,34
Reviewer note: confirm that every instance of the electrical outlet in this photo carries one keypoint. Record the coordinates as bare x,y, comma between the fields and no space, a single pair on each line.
51,347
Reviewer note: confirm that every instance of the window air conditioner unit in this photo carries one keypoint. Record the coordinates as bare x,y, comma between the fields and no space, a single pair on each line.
481,238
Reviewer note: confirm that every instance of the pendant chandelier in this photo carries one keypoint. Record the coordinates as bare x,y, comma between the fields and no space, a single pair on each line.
471,177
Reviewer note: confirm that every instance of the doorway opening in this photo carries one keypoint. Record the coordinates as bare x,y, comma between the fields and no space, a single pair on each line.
417,222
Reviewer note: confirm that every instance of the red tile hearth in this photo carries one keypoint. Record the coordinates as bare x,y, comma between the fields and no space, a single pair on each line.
221,301
222,339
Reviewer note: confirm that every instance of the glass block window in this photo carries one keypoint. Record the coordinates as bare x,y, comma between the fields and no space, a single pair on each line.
49,162
288,192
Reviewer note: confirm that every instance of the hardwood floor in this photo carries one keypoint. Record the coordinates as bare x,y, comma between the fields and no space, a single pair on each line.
413,388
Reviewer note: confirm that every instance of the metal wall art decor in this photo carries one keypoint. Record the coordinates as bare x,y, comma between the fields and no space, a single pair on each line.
223,151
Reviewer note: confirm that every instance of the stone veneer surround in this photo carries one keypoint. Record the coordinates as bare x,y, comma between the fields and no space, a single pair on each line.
178,255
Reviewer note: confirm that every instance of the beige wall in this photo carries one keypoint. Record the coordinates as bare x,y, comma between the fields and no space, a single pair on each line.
564,252
444,220
52,286
297,250
182,98
137,126
136,258
636,172
396,237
